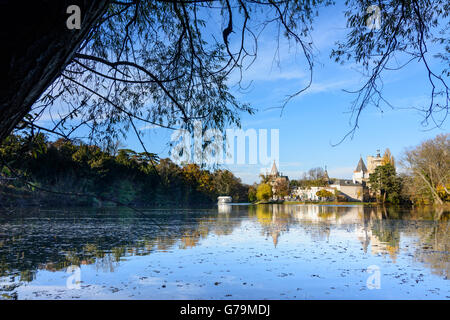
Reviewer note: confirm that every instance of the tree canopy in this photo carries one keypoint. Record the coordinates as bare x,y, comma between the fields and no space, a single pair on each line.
264,192
315,177
281,188
166,63
428,165
388,158
324,194
75,173
385,182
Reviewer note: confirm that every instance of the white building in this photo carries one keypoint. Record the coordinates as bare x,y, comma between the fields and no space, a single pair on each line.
360,174
352,190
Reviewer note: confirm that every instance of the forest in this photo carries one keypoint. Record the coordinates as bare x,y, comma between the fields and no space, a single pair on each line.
36,171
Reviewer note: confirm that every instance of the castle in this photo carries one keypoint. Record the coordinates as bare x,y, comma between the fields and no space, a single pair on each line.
276,178
355,189
361,173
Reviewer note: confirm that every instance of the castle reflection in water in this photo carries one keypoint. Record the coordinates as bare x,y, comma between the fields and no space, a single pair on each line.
53,241
378,229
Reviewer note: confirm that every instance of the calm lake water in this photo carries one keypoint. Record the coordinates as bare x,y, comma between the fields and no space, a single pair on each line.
227,252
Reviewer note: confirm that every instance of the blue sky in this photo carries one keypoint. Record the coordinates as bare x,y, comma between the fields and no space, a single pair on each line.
318,118
315,120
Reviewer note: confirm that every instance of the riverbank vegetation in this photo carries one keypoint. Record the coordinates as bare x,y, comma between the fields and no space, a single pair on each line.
80,174
36,171
423,178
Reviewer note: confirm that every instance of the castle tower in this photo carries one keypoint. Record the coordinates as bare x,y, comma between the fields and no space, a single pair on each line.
274,171
373,162
361,172
326,178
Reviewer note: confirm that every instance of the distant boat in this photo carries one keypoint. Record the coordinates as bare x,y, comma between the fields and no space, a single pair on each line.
224,199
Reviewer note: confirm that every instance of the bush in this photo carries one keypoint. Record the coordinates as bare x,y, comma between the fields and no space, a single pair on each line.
264,192
324,194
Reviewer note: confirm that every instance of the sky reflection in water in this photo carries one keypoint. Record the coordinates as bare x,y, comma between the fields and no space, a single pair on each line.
230,252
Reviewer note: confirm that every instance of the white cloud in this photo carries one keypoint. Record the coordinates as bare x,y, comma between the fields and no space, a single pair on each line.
272,64
317,87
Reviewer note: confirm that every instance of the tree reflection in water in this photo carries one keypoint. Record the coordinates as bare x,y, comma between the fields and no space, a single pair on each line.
53,240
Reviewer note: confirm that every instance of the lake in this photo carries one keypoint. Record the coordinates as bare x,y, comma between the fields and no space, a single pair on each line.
225,252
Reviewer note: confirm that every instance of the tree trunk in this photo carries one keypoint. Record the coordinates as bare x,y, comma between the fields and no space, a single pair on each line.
37,46
433,191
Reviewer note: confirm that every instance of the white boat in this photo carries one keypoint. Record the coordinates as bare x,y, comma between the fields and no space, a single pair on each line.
224,199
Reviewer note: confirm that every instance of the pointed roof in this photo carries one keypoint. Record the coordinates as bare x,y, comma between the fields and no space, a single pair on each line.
274,171
275,235
325,175
361,166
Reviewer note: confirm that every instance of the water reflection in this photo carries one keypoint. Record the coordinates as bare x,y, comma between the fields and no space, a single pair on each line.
377,228
224,208
54,240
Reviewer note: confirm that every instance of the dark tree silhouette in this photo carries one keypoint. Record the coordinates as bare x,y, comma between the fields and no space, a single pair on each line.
37,47
166,62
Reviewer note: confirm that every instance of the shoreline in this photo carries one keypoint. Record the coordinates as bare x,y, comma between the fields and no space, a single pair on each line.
445,206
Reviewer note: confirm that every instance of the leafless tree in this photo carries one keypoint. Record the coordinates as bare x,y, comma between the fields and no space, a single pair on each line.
430,164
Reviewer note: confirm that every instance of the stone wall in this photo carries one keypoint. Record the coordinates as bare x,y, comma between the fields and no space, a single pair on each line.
353,193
